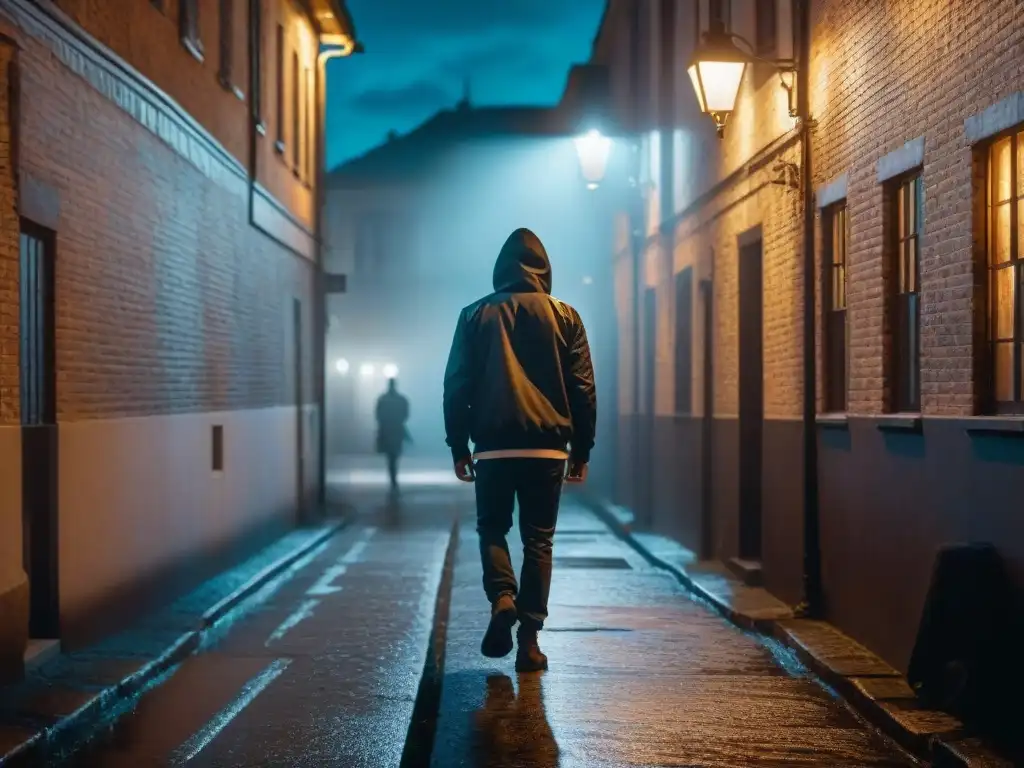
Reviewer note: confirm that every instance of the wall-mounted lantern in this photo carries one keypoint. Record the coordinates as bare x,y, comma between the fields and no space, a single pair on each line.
593,149
717,71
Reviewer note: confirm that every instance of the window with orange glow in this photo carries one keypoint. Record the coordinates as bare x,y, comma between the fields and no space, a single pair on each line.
279,91
1005,206
906,348
834,240
296,115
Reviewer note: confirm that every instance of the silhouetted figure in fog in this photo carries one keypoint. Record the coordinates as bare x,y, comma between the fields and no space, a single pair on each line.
392,413
520,385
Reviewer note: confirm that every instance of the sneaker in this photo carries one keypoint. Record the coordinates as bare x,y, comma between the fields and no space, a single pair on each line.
498,640
529,657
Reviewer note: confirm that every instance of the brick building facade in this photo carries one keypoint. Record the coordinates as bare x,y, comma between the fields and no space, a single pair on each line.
915,106
159,236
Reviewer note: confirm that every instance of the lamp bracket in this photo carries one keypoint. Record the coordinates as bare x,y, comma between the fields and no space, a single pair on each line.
786,174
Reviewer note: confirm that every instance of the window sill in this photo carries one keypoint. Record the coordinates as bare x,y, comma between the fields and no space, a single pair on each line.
899,422
833,420
996,425
227,85
194,47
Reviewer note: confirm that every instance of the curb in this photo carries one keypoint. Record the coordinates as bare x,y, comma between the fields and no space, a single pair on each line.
951,747
419,740
102,707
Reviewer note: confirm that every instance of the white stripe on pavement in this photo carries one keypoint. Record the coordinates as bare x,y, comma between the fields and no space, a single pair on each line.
202,738
301,613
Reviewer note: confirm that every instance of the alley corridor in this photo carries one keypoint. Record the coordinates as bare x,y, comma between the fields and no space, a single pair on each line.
323,668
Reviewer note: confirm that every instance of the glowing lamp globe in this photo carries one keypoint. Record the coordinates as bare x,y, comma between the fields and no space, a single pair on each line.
716,73
593,149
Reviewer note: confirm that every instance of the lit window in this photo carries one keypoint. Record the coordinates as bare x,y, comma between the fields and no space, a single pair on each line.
906,347
834,237
1005,209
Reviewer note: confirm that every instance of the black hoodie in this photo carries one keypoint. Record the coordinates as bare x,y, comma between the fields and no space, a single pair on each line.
519,374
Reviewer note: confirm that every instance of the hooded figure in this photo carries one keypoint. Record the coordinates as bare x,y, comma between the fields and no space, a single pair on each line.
519,385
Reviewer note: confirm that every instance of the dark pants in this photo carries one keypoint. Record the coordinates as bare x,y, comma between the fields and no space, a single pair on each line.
537,483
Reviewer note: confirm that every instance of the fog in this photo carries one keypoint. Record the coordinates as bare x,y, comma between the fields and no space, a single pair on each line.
453,225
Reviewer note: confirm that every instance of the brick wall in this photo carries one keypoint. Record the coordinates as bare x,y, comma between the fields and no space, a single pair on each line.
9,382
147,35
167,299
883,74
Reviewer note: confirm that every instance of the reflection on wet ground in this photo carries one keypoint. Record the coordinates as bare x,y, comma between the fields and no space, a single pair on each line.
506,713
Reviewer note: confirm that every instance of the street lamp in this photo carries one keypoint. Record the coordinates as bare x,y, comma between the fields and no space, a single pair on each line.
717,71
593,148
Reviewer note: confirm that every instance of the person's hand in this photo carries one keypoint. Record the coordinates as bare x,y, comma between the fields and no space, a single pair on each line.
577,471
464,470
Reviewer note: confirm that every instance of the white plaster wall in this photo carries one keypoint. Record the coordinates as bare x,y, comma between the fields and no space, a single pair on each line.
137,494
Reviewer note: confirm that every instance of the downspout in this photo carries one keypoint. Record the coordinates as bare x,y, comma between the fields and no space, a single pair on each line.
347,47
636,234
813,604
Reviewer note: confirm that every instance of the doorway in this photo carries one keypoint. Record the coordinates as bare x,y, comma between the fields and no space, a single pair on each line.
300,411
751,393
37,358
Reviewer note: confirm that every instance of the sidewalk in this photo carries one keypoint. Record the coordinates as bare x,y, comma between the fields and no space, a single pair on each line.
641,674
68,696
879,692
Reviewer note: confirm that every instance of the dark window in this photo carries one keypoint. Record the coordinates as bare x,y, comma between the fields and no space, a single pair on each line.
765,22
834,236
718,13
684,341
227,31
279,89
1006,274
310,132
296,116
36,331
189,10
906,348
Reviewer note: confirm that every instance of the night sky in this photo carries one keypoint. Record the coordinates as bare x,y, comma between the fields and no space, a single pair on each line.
419,53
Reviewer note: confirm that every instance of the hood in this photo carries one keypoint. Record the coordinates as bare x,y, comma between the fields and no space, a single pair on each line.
522,265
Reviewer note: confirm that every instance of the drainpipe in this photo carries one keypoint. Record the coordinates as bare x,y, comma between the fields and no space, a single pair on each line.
636,235
813,604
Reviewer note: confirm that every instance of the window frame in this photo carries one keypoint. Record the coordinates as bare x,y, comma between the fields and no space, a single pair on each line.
226,43
296,121
905,292
835,294
309,133
189,22
279,116
1013,265
36,324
